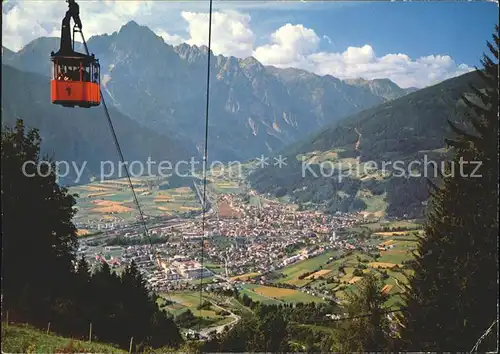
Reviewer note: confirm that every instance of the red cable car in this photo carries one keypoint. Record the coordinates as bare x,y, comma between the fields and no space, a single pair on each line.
75,81
75,77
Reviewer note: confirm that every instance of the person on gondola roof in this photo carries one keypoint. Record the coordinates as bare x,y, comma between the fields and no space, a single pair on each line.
66,48
72,72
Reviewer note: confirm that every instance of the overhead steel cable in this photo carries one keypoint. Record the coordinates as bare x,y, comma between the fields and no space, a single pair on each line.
120,153
484,335
205,157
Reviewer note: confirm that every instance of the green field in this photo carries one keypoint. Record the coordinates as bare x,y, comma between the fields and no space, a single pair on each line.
293,271
406,224
374,203
235,306
25,339
262,299
272,295
391,257
202,281
216,268
224,187
184,300
256,201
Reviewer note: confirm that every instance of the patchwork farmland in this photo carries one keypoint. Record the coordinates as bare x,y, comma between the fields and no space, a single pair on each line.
338,272
333,274
112,201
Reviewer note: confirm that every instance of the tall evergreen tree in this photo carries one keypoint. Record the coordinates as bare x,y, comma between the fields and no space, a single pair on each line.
82,312
452,295
39,281
365,333
243,337
38,236
106,298
144,320
272,330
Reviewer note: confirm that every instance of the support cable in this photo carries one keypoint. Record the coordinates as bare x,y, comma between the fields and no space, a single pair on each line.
205,157
474,348
120,153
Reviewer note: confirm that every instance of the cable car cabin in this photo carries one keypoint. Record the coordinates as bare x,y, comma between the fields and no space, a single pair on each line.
75,81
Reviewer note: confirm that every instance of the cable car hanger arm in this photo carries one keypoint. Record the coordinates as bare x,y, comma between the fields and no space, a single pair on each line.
66,46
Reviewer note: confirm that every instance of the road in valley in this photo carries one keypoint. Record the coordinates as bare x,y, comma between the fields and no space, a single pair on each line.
220,329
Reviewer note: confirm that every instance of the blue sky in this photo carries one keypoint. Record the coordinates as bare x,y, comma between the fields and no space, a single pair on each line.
413,44
458,29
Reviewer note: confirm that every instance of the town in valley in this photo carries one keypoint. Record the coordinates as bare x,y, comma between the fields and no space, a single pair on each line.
266,247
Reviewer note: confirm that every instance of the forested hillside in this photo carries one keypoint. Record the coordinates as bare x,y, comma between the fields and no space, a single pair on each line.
411,128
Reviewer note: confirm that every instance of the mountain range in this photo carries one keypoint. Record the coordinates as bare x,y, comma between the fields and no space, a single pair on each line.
157,96
341,167
254,109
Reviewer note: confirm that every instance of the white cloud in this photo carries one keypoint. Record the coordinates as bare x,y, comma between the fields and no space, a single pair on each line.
291,45
23,21
20,24
288,45
170,38
231,32
295,46
355,55
400,68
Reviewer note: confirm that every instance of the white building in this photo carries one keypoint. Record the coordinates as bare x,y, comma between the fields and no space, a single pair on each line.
191,269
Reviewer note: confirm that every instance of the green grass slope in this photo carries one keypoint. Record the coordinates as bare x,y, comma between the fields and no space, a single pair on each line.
25,339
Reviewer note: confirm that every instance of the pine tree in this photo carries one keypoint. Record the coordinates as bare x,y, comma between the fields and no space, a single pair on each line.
370,333
136,302
451,297
106,295
145,322
39,280
83,269
273,330
38,236
82,295
243,337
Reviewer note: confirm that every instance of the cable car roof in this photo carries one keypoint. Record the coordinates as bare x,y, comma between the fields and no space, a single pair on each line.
73,57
